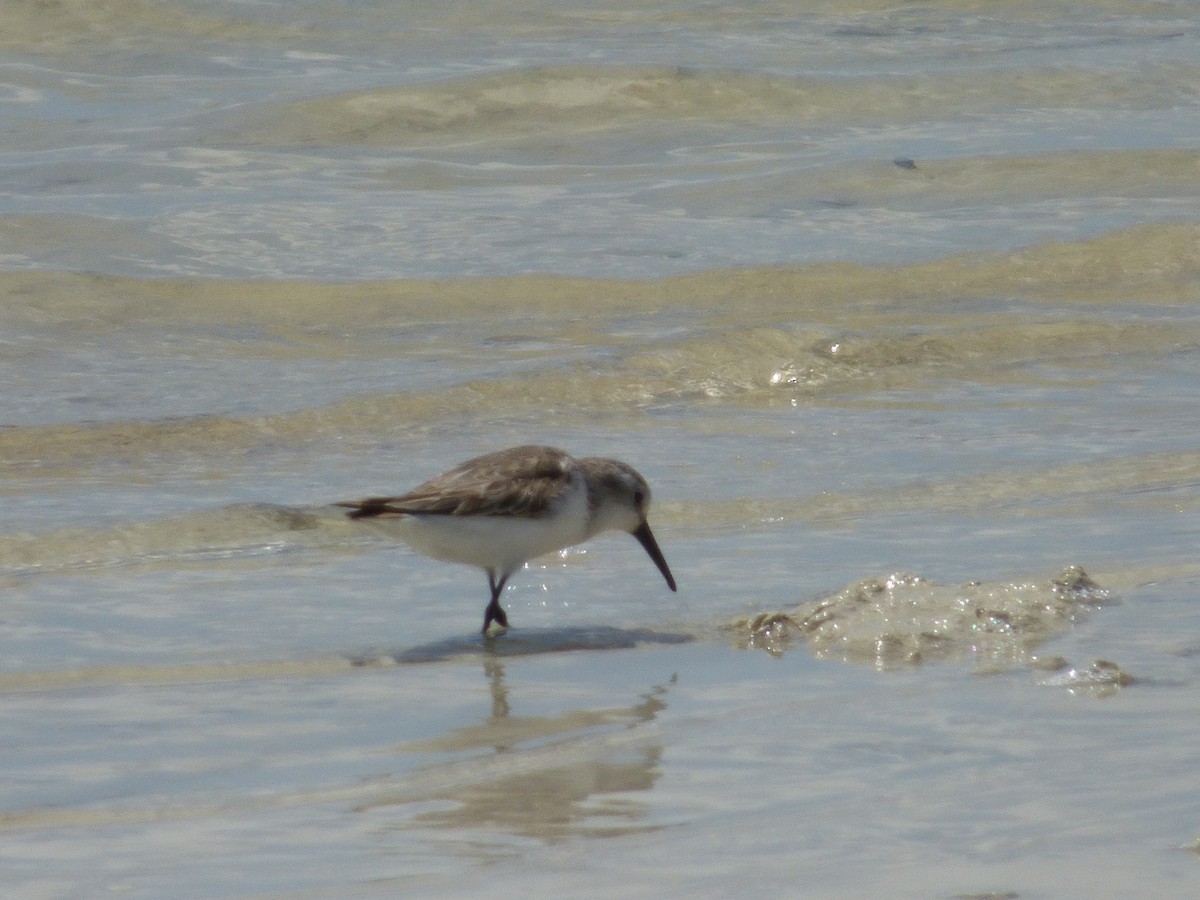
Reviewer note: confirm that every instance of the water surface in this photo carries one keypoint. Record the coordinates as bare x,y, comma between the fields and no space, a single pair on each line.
894,307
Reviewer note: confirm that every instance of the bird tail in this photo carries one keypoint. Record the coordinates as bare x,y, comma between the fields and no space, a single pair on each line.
367,509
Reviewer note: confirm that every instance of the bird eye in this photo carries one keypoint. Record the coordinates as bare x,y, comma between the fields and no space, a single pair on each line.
639,497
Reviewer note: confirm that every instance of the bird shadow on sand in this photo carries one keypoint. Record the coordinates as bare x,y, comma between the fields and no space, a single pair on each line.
524,643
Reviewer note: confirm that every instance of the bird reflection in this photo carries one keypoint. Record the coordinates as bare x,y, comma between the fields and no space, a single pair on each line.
494,669
548,777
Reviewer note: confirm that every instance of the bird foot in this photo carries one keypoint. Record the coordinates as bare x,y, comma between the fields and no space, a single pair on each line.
494,630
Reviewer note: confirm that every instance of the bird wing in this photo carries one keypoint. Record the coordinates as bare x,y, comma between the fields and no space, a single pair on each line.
521,482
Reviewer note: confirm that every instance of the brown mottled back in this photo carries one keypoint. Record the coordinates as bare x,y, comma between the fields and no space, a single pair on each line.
520,481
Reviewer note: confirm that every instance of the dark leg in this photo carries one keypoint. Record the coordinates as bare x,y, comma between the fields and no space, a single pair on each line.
495,612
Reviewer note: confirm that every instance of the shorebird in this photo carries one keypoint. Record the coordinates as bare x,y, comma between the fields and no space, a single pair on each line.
500,510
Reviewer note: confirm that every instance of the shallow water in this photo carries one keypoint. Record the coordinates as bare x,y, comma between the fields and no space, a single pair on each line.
863,291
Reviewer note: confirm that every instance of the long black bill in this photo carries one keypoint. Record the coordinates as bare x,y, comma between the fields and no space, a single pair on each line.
646,538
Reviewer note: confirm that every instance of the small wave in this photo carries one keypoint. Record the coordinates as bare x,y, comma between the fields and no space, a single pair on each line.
905,620
818,329
158,675
550,101
238,531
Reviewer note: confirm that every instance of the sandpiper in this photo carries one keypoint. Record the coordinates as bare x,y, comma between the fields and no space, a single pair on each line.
500,510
